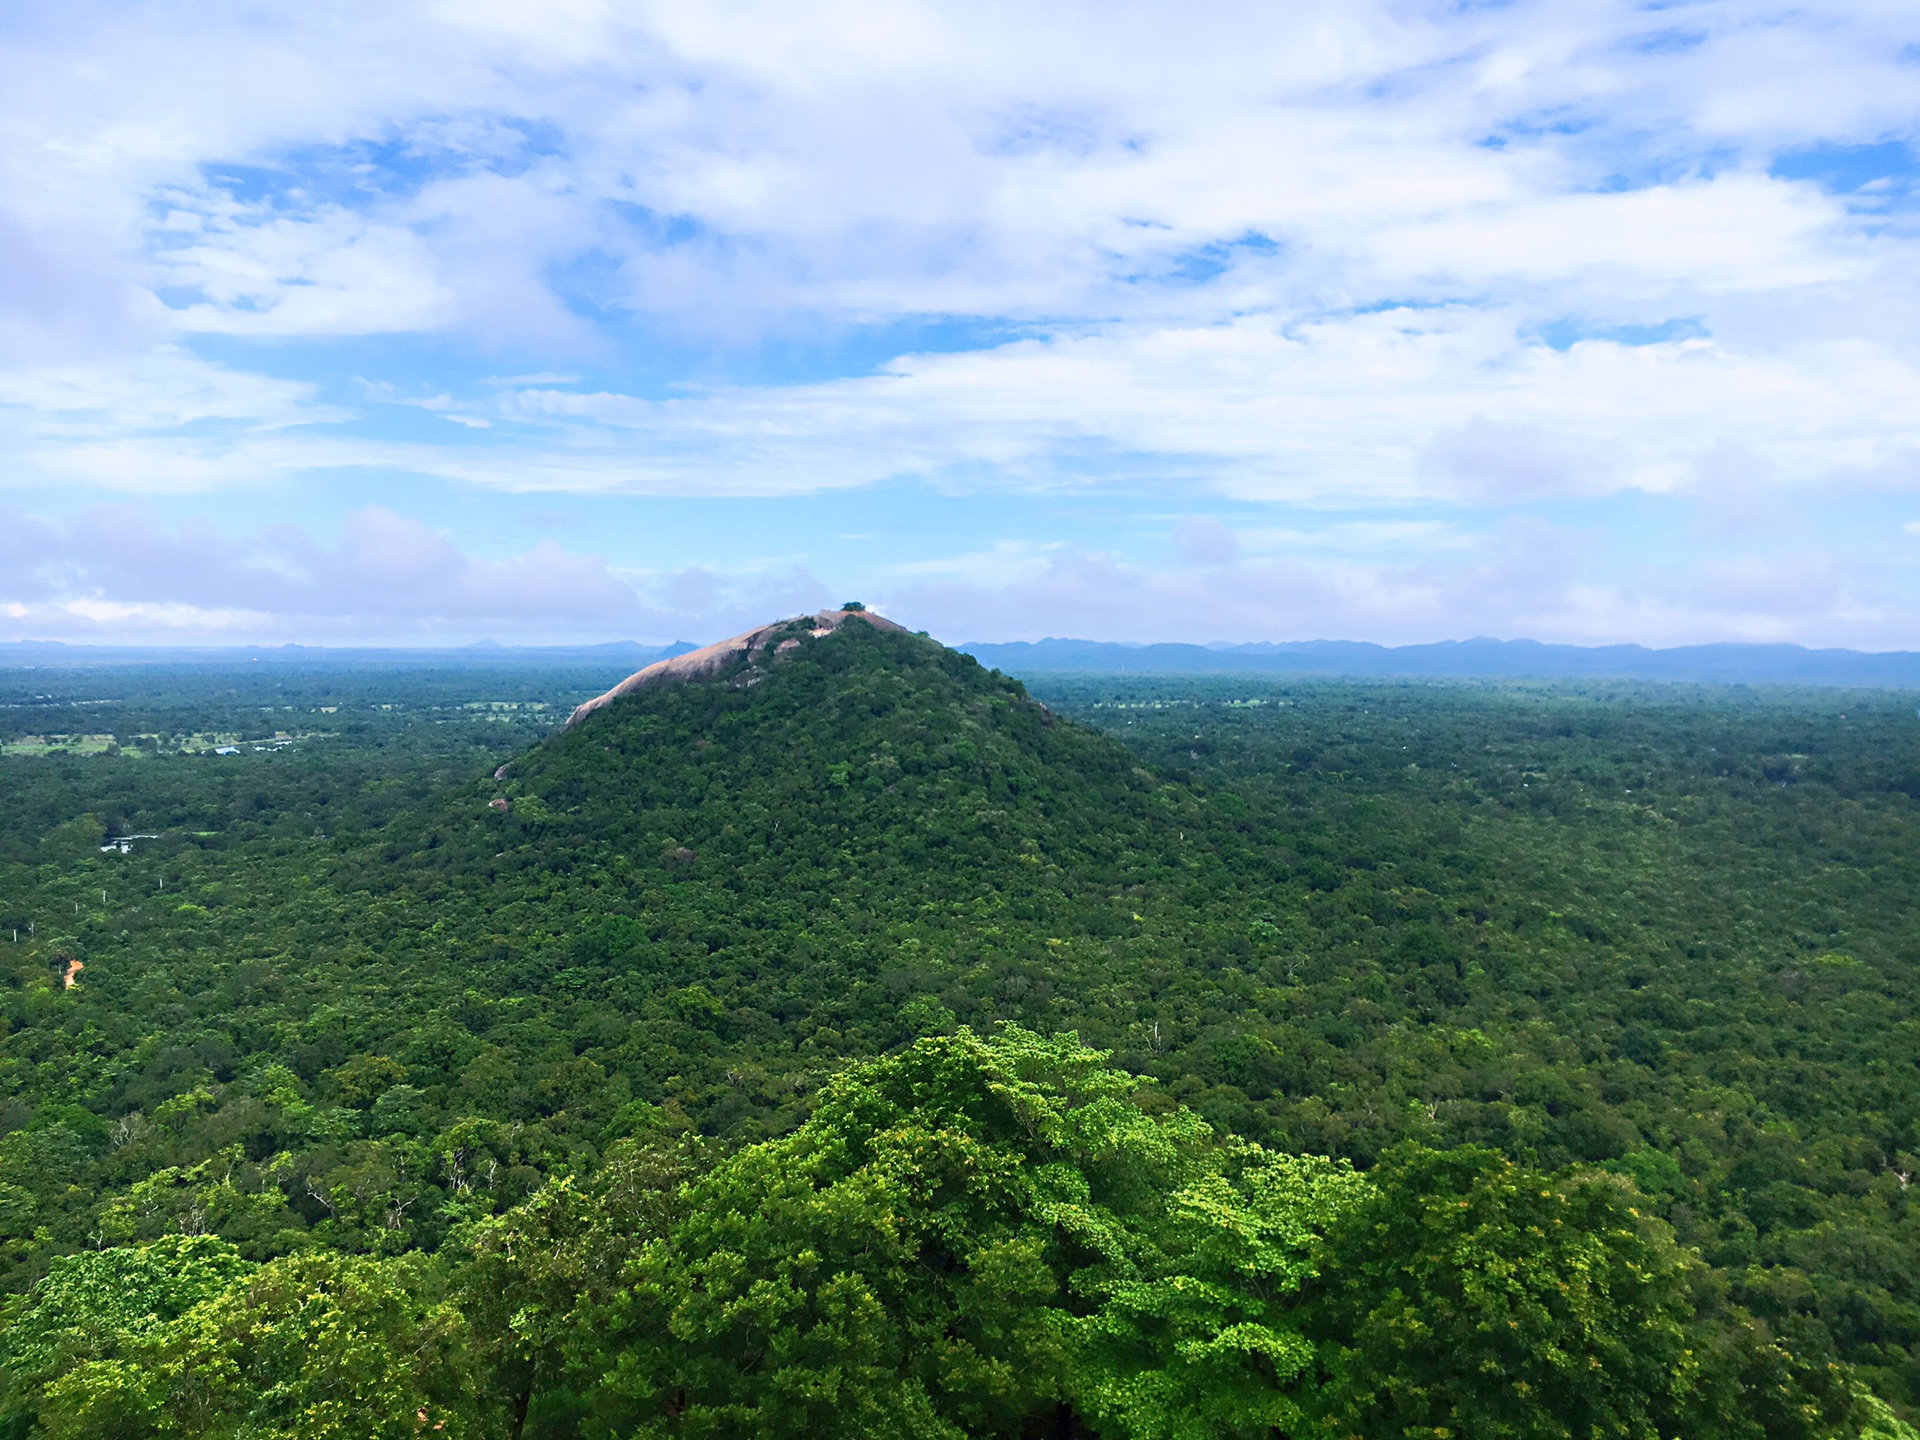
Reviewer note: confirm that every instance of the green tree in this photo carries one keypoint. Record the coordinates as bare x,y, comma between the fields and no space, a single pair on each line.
904,1264
1474,1297
313,1347
1198,1341
1878,1422
540,1272
97,1309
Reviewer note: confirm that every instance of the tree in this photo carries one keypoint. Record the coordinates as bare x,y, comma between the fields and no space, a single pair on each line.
905,1264
540,1271
312,1347
99,1308
1199,1341
1470,1296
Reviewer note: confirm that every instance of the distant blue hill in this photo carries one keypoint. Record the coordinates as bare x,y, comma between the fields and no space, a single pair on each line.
1465,659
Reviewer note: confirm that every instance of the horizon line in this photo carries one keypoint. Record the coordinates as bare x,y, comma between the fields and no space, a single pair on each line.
488,645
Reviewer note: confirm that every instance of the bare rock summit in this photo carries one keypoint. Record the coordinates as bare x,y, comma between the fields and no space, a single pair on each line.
781,636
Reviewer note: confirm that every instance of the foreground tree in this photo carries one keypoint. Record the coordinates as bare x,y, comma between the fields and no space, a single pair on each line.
102,1311
1199,1338
968,1238
313,1347
1472,1296
540,1274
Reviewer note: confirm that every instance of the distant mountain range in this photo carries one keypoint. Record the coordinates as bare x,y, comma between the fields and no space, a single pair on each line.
1452,659
1466,659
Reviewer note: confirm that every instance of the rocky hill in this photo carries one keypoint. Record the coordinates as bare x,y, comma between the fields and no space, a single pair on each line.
757,647
798,846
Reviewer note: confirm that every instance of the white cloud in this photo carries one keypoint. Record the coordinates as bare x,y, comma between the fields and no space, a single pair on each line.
990,160
164,420
1523,580
158,390
334,273
1734,232
116,574
1205,540
1378,407
1293,255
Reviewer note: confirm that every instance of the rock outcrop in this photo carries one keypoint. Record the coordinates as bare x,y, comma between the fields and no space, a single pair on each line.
712,659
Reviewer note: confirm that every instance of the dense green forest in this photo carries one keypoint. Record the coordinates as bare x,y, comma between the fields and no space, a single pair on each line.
851,1044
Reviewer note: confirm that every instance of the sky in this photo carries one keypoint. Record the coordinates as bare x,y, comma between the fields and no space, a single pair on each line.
427,323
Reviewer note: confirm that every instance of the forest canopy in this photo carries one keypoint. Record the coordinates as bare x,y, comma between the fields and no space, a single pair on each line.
851,1043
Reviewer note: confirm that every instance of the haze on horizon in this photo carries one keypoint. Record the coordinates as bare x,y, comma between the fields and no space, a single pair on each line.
418,322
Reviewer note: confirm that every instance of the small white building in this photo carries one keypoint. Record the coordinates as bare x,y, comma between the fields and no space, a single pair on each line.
123,843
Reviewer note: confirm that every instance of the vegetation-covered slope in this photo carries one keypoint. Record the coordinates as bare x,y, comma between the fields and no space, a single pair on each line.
815,844
1669,931
371,1016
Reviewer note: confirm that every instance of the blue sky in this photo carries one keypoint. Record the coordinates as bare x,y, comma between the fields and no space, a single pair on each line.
417,323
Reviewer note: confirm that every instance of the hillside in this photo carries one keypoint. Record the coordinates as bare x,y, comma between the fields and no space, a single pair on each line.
831,846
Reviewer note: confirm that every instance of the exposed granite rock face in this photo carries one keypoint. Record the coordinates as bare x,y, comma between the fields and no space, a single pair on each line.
712,659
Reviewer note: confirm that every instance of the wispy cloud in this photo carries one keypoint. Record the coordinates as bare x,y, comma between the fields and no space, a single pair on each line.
119,572
1523,580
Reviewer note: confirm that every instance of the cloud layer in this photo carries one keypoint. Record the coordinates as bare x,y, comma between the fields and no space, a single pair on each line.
1368,294
115,570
